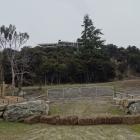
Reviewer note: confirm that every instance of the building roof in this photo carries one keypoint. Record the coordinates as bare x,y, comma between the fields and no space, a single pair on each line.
60,44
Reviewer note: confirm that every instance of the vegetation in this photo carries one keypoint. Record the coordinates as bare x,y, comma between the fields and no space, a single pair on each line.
85,108
11,41
19,131
92,61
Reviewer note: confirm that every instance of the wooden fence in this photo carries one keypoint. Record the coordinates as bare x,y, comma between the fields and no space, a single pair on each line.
2,89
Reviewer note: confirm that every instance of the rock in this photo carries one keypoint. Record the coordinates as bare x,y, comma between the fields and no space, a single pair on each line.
32,119
3,107
134,108
20,111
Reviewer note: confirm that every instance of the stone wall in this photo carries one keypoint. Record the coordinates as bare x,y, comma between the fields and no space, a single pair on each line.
75,120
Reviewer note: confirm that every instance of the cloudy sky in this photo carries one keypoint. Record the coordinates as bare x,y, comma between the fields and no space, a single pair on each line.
51,20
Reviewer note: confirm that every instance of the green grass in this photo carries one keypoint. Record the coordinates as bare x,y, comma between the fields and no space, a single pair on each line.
84,108
11,131
19,131
116,111
136,128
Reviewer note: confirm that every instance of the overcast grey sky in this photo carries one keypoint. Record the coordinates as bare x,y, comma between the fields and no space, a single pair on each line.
51,20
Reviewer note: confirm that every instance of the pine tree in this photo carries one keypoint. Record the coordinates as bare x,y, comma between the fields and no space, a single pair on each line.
90,37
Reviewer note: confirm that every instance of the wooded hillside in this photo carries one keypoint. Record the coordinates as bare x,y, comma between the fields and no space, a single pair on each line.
92,61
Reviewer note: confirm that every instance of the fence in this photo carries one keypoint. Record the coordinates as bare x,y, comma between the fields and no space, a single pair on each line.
80,92
2,89
11,100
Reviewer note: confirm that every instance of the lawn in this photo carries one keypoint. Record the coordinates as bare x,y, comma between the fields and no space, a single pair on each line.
19,131
85,108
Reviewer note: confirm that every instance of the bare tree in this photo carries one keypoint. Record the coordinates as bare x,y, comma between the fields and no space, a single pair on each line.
12,40
22,68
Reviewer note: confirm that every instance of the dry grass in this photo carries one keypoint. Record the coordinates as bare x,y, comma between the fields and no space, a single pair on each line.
124,84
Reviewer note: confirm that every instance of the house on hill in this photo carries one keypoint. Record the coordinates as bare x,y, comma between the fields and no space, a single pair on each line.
60,44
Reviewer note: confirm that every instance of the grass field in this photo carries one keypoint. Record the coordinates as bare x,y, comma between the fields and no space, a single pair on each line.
19,131
85,108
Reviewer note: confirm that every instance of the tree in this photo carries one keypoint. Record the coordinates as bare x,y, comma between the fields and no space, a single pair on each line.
111,50
90,37
11,39
133,58
22,67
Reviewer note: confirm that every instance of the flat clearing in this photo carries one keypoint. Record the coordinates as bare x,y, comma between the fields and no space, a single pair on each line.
85,108
124,84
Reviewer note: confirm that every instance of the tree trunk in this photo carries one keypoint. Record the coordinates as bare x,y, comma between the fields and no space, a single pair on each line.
20,82
13,75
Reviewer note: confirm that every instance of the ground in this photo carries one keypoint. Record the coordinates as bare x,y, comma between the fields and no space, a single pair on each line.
85,108
19,131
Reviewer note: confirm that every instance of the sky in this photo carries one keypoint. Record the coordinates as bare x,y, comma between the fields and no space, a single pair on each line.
48,21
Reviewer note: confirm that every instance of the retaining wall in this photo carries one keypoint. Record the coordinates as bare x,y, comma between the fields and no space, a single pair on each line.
75,120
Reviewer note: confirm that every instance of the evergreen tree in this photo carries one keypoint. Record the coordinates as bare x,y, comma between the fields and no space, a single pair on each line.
90,37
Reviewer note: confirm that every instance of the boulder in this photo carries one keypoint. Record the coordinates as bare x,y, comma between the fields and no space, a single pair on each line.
134,108
20,111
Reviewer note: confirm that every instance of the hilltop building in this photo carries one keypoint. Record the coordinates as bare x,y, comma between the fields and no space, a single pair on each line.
60,44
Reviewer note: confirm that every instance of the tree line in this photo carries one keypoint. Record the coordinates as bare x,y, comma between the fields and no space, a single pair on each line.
92,61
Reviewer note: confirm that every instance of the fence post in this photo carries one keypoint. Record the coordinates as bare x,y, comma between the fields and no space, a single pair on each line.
96,91
2,89
46,89
79,92
63,93
114,93
17,99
